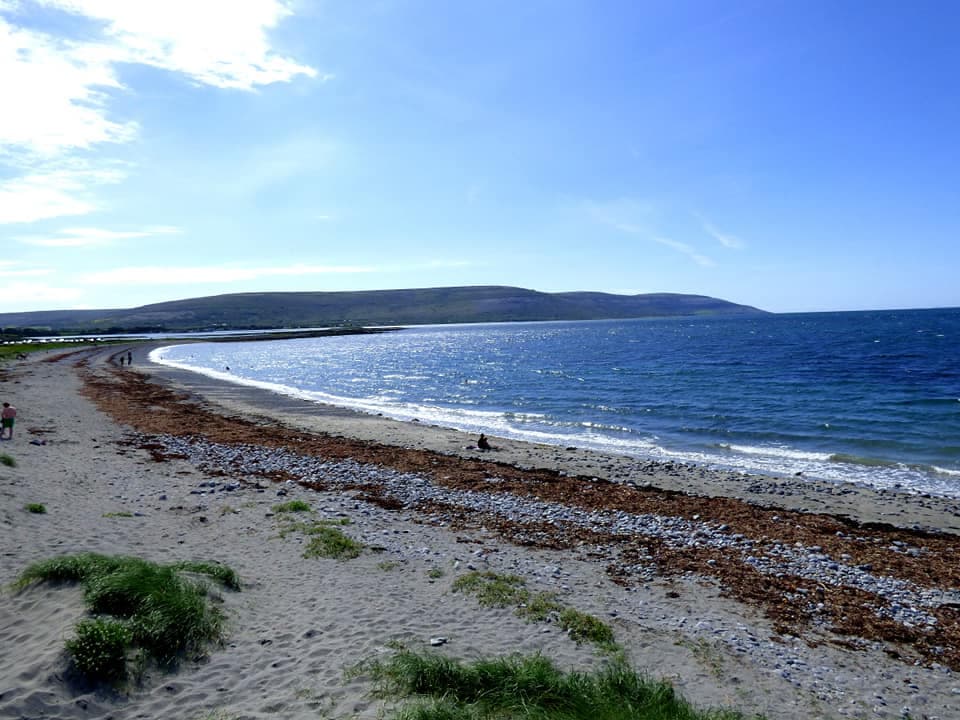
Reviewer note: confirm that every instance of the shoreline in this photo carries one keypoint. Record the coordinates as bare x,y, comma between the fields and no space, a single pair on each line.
743,604
854,501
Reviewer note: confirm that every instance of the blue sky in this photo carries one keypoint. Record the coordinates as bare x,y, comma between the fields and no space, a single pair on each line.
795,156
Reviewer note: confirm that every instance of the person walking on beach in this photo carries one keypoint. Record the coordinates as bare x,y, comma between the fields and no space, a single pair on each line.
129,358
7,417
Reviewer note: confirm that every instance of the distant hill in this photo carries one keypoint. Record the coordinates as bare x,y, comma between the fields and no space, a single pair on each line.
373,307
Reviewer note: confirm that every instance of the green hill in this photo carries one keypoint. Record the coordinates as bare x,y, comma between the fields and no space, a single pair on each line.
373,307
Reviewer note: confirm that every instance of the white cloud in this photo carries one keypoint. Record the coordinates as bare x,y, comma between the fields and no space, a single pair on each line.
51,193
55,90
34,293
35,272
92,237
172,275
216,42
725,239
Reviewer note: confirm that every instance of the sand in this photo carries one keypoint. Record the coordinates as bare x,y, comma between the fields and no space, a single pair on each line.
298,623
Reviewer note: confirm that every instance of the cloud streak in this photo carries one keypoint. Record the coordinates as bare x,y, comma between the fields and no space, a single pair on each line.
725,239
178,275
92,237
611,218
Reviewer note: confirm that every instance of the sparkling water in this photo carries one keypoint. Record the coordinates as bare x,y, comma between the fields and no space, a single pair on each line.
865,397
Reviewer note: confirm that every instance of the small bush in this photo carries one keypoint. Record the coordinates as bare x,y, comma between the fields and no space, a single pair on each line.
292,507
434,573
7,460
36,508
99,648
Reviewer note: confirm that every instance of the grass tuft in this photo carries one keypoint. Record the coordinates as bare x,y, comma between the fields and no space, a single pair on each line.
329,542
36,508
522,688
292,507
151,607
7,460
493,590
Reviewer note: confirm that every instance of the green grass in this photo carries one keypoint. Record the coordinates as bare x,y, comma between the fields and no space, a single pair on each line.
120,514
7,460
292,507
324,539
329,542
494,590
139,607
8,352
36,508
526,688
435,573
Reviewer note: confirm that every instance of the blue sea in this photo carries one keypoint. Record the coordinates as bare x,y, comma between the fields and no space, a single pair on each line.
870,398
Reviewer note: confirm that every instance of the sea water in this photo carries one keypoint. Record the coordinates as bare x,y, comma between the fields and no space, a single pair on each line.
867,397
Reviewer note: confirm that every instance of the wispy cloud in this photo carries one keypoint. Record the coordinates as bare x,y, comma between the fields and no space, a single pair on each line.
50,193
725,239
179,275
39,293
684,248
633,218
93,237
33,272
56,89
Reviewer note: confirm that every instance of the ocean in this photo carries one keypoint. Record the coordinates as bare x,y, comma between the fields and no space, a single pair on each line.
871,398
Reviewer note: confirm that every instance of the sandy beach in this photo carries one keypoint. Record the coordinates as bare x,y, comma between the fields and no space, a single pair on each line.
782,597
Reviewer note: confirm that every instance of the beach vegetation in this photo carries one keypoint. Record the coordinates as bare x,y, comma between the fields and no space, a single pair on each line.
435,573
36,508
494,590
119,514
7,460
324,538
228,510
329,542
526,688
387,565
158,611
293,506
99,648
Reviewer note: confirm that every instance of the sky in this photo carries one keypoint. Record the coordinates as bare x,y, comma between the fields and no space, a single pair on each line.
791,155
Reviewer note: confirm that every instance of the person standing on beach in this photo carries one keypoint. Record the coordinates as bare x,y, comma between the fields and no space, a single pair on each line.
7,417
129,358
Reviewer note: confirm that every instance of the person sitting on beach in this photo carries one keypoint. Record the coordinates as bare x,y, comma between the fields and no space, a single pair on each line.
483,444
7,417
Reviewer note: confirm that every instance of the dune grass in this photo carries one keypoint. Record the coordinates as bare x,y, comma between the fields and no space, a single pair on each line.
495,590
526,688
292,507
324,538
35,508
7,460
156,611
